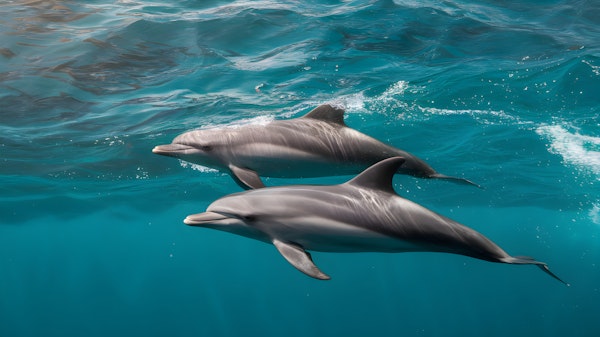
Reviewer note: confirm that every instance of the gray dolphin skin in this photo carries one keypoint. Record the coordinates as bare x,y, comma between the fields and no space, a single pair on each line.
315,145
362,215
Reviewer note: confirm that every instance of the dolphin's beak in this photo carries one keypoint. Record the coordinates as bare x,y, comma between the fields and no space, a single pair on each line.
205,218
173,150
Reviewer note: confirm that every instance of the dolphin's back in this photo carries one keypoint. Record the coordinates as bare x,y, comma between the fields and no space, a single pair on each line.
340,144
394,216
335,142
304,148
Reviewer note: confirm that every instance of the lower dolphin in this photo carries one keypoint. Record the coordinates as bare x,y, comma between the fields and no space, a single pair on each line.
362,215
315,145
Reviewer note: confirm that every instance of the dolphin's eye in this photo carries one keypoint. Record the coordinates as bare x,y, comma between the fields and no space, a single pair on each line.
248,218
206,148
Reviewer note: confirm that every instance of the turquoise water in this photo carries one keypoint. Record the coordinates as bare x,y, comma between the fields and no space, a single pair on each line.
92,243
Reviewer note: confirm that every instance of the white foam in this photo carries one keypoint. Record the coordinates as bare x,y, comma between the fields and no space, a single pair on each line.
359,103
595,69
197,167
575,148
396,89
396,100
483,116
354,102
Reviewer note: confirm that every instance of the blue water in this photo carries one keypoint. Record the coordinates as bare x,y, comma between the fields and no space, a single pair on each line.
92,243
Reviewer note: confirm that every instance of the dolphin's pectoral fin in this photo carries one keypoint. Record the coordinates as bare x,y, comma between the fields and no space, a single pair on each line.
300,259
246,178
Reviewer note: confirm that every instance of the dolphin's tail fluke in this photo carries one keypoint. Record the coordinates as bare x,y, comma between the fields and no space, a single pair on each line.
529,260
454,179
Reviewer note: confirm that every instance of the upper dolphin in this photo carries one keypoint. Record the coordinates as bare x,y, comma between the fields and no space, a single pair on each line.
362,215
317,144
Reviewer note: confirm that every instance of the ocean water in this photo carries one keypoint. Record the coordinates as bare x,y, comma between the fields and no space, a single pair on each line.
505,93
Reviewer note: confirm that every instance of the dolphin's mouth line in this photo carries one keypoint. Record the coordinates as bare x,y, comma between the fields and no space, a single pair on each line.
214,217
208,218
174,149
236,216
226,215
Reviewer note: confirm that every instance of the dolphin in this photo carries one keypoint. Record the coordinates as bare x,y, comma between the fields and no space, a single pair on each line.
362,215
315,145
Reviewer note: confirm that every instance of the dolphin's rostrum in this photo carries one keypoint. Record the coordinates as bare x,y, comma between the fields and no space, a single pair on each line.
362,215
315,145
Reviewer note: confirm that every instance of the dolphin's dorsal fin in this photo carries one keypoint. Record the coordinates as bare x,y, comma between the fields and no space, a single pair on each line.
327,113
379,176
300,259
